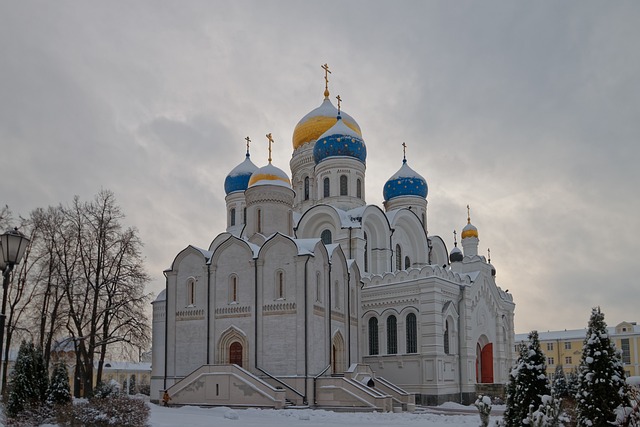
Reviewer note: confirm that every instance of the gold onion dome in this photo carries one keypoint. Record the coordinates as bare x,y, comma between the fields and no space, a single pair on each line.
318,121
469,230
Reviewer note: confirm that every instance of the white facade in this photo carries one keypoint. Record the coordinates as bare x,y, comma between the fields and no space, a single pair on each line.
308,280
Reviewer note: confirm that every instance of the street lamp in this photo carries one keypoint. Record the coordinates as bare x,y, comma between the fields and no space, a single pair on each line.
12,247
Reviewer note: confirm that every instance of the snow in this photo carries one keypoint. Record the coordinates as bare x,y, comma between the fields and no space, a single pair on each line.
221,417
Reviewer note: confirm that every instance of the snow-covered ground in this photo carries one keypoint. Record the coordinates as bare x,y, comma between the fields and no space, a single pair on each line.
222,417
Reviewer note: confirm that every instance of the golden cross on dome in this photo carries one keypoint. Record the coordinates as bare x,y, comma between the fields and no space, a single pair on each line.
325,67
468,215
270,138
339,101
248,141
404,151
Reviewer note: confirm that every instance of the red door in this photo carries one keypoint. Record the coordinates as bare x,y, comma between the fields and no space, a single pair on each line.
486,359
235,353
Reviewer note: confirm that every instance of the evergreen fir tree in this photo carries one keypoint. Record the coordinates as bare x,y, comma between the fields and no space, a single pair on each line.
59,392
560,386
132,384
28,382
528,383
601,381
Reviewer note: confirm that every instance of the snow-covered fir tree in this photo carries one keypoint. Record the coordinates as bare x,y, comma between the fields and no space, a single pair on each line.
602,389
59,392
528,383
29,381
560,386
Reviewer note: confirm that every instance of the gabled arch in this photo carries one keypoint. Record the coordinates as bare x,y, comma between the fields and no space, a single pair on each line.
189,250
410,235
317,219
376,224
223,244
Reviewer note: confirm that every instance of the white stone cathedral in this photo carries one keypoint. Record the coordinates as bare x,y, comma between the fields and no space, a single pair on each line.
312,297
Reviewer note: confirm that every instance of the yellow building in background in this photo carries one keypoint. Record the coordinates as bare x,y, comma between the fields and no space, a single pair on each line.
565,347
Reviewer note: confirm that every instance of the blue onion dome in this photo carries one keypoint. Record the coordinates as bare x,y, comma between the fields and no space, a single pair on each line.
455,255
318,121
238,178
340,141
405,182
269,175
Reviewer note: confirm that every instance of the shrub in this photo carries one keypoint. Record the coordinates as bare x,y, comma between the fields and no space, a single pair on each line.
116,410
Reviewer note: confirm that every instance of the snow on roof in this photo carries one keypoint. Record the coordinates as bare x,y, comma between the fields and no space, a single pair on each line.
306,246
162,296
473,275
352,217
573,334
340,128
247,167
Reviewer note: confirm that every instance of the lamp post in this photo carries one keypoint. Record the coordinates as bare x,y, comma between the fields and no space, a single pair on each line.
12,247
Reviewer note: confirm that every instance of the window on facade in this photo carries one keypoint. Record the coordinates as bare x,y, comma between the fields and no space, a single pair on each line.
352,302
446,337
392,335
259,220
232,214
326,237
412,333
567,345
626,354
191,291
398,257
373,336
306,188
325,185
244,215
359,188
366,253
407,262
550,361
343,185
549,346
568,360
336,294
318,288
280,285
233,291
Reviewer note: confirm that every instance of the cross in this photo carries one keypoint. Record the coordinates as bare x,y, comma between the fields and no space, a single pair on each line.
404,151
455,242
468,215
248,141
270,138
325,67
339,101
489,255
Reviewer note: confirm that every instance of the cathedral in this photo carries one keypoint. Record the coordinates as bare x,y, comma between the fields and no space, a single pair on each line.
312,297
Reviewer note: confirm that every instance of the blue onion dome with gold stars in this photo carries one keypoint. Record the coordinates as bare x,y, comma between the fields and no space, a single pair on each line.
340,141
405,182
318,121
269,175
238,178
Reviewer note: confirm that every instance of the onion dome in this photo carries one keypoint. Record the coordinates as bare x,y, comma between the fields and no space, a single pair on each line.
238,178
455,255
269,175
318,121
340,141
405,182
469,230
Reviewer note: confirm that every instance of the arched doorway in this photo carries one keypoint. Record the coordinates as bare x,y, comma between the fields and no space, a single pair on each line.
235,353
484,362
337,354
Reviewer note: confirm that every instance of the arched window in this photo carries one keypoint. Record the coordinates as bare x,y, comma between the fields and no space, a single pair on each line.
244,215
233,289
325,184
280,285
232,214
359,188
366,253
318,288
259,220
306,188
191,291
446,337
373,336
412,333
336,294
407,262
398,257
325,236
392,335
343,185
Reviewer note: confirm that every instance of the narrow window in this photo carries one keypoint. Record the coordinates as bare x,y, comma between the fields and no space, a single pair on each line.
280,285
626,354
359,188
325,236
373,336
234,289
318,288
398,257
366,253
412,333
244,215
306,188
446,337
325,184
336,292
407,262
259,220
392,335
343,185
191,292
233,216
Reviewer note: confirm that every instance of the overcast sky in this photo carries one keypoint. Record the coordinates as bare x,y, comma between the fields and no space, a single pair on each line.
527,111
